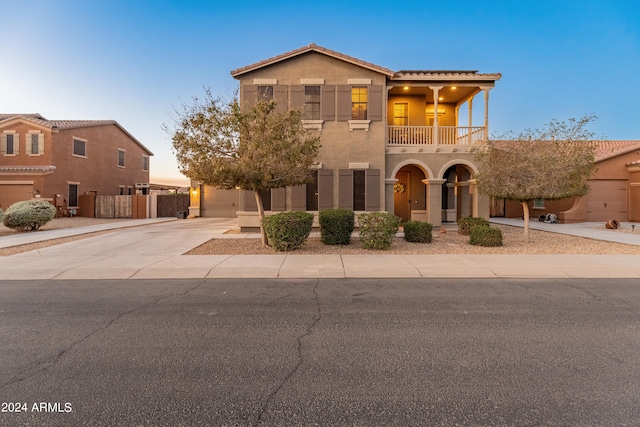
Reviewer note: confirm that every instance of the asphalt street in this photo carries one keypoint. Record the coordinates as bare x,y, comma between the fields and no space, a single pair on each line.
320,351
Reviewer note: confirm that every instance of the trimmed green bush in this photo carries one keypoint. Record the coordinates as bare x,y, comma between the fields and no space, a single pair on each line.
287,231
465,225
1,214
336,226
377,229
485,236
418,232
28,215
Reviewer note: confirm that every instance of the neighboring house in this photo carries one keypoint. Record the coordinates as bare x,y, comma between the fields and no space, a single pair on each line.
392,141
614,190
60,160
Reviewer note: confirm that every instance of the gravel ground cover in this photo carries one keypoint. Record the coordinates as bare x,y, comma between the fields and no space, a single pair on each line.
450,242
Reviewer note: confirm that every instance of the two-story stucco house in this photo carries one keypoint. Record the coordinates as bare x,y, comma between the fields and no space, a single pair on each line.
396,141
63,159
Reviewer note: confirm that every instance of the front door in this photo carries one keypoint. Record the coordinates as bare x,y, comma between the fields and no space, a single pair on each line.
401,202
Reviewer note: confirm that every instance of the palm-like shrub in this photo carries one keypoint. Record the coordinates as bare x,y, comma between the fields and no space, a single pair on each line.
28,215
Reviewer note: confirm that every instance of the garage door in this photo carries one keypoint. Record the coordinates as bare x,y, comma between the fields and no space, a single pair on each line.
607,200
11,193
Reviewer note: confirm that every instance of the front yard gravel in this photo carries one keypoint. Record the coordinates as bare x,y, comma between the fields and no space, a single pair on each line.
451,242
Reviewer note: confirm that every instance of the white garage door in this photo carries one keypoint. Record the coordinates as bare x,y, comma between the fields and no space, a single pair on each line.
11,193
607,200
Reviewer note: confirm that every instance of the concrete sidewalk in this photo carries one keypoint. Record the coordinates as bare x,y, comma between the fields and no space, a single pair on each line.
155,251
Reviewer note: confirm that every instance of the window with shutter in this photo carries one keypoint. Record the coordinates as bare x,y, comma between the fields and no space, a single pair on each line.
312,102
358,103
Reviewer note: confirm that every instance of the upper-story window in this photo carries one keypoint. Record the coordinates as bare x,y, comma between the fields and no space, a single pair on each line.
121,158
401,114
311,103
145,163
79,147
10,143
358,103
265,93
35,143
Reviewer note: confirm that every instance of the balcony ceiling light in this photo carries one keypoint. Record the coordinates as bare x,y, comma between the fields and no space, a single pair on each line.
406,88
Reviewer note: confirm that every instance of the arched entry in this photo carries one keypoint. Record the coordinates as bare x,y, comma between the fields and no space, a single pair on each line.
457,200
410,194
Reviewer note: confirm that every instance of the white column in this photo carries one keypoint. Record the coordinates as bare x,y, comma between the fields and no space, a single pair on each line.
436,132
486,112
470,104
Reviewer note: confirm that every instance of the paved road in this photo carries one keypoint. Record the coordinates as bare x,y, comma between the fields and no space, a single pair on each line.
331,352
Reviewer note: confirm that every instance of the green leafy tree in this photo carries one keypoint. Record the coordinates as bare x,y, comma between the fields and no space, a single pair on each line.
255,148
550,163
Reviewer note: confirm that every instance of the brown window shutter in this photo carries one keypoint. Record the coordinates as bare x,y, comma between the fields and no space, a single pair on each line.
328,102
249,94
375,103
297,97
344,103
345,189
280,96
372,189
325,189
249,199
299,198
278,199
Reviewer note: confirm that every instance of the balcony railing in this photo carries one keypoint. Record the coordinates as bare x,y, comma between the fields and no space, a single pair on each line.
446,135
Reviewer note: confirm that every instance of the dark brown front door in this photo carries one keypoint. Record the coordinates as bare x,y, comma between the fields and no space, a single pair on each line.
401,196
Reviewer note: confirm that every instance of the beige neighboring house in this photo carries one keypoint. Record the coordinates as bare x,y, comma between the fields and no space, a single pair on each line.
396,141
614,190
59,160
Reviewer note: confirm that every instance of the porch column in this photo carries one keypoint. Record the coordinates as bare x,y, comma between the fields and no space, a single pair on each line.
434,202
470,103
436,132
486,112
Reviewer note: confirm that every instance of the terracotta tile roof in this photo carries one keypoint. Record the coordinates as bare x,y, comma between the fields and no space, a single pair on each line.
312,48
68,124
26,169
445,75
608,149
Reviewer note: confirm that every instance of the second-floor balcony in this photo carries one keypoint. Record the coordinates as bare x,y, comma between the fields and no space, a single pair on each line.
436,135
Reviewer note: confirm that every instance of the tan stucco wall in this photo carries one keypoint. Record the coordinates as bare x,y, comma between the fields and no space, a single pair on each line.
340,146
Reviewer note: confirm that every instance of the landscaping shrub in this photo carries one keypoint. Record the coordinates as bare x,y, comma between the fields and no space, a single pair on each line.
28,215
485,236
465,225
1,214
377,229
336,226
287,231
418,232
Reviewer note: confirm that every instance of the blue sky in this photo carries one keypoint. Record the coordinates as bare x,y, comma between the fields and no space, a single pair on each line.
135,61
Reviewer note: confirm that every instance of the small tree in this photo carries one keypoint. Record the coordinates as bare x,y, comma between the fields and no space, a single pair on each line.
550,163
257,148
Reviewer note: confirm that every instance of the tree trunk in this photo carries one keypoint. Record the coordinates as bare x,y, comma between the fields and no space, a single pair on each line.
263,236
525,208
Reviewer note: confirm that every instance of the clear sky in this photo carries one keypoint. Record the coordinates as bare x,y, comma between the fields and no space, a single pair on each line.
135,61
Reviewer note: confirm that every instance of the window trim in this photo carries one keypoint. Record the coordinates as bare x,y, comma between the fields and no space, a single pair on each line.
124,153
538,204
5,143
77,185
73,147
143,163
